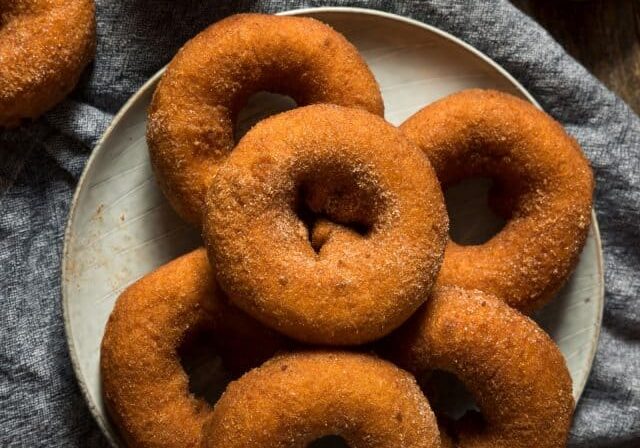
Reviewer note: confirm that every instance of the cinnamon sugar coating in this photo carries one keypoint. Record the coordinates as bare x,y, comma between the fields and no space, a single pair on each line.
327,225
145,388
44,47
514,371
192,116
543,186
295,399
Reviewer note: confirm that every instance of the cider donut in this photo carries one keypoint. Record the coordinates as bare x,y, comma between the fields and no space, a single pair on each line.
44,47
543,186
295,399
514,371
192,116
348,285
145,387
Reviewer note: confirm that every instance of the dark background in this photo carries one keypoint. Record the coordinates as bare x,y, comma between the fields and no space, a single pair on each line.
603,35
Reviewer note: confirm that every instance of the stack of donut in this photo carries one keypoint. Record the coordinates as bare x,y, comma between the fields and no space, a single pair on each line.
328,282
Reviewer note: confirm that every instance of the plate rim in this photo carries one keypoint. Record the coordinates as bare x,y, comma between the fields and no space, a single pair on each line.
143,89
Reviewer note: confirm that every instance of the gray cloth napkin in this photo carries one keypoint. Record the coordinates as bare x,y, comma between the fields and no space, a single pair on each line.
40,403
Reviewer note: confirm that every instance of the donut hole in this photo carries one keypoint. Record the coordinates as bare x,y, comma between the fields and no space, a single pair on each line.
472,221
320,228
258,107
333,204
447,395
204,365
331,441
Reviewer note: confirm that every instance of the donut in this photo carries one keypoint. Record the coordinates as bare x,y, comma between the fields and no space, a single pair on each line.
513,370
192,116
379,254
44,47
145,388
543,186
296,399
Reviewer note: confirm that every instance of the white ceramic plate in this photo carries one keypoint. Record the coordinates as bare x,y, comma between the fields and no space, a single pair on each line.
121,227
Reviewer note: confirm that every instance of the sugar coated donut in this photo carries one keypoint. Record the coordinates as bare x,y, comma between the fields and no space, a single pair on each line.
374,265
514,371
44,46
192,116
145,387
543,185
295,399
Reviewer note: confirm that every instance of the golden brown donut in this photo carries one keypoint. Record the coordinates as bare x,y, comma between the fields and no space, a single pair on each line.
544,187
44,46
295,399
348,166
145,388
192,117
514,371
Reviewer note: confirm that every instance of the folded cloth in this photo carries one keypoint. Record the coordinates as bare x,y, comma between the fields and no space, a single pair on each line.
40,403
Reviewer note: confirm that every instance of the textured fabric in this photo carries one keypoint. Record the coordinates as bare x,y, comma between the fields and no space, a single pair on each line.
40,403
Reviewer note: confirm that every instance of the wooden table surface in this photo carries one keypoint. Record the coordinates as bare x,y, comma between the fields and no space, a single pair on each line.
604,35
